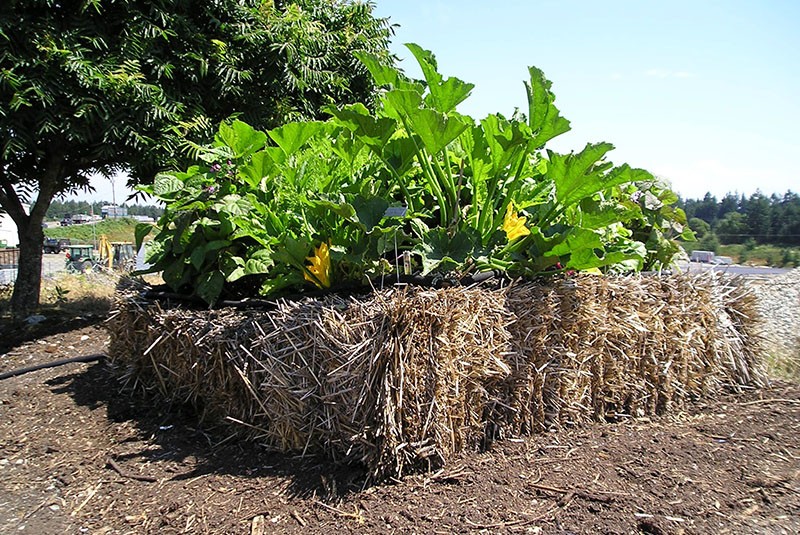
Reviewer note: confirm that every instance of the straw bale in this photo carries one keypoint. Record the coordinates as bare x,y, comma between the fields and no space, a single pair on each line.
403,378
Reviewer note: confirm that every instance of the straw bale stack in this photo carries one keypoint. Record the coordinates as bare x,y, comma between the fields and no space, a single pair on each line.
401,379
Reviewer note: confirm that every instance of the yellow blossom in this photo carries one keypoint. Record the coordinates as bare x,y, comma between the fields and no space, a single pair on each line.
514,225
320,267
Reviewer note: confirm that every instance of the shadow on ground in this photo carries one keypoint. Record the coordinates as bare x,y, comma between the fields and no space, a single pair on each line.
177,434
19,332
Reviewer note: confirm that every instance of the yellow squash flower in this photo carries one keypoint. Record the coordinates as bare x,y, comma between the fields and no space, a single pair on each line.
514,225
320,267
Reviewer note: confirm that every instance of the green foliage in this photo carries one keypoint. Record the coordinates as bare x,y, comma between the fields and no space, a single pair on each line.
305,204
709,242
774,255
104,86
732,228
699,227
116,230
59,209
774,219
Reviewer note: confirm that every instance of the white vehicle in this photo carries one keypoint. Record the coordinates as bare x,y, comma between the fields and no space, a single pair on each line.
707,257
723,260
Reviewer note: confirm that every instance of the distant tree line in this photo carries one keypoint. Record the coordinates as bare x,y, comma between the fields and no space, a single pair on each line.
739,219
59,209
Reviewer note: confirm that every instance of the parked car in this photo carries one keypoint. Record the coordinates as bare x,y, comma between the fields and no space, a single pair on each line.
55,245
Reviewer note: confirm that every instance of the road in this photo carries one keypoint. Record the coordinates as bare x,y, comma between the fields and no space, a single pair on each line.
735,269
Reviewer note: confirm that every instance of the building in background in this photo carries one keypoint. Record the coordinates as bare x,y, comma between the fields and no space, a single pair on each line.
8,229
112,211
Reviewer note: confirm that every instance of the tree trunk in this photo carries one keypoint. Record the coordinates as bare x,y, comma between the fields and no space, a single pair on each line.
25,298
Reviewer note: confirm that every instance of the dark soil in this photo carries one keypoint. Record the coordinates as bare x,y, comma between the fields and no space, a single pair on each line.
79,456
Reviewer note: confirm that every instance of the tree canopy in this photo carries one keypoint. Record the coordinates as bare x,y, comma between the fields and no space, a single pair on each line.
100,86
738,218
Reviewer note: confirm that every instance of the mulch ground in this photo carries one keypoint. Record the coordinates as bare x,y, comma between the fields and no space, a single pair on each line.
77,455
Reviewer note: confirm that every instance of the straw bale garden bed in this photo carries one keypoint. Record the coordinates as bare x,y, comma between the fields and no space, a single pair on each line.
551,375
403,379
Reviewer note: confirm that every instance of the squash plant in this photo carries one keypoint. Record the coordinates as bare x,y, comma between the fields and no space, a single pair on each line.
331,204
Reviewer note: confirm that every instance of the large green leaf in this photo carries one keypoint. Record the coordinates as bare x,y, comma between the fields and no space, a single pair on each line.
260,165
399,154
576,239
400,103
436,130
324,206
347,146
258,263
444,95
592,214
207,251
140,232
291,136
386,75
504,141
586,250
578,176
209,286
242,138
177,274
165,185
233,205
293,252
374,132
369,212
438,250
543,116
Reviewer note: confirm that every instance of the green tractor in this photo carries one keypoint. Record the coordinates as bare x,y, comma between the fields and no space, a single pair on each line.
81,258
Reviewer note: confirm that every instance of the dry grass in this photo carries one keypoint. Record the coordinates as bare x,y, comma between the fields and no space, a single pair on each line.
401,379
784,364
70,294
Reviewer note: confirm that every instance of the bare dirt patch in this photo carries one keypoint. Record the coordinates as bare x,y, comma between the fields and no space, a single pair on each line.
79,456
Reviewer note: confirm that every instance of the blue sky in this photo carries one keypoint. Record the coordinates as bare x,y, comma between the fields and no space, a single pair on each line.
703,93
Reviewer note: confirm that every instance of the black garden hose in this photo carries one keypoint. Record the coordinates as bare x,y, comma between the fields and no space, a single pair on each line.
52,364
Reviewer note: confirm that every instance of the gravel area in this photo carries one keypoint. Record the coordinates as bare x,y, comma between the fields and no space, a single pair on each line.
779,301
